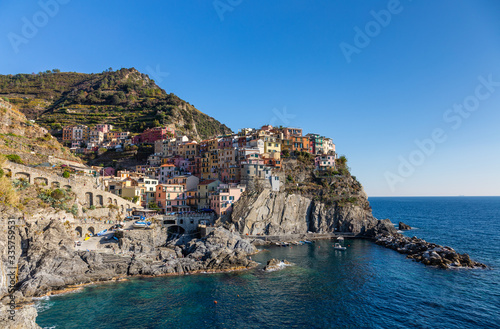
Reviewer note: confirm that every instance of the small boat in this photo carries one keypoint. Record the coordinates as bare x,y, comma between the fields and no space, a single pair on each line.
102,232
285,244
337,246
139,224
340,238
307,241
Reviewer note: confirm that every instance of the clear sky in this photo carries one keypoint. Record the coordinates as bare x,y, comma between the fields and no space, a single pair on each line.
373,75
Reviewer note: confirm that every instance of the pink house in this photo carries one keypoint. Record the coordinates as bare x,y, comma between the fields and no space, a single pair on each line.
171,197
225,142
323,162
227,194
107,171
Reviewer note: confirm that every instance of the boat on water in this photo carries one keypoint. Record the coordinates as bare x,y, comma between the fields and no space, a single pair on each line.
340,238
337,246
307,241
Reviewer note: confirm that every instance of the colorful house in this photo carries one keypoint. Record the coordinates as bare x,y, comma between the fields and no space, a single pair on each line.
223,199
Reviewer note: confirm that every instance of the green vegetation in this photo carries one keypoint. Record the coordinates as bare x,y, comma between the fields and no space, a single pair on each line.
66,174
59,199
153,205
128,99
14,158
8,195
20,184
341,164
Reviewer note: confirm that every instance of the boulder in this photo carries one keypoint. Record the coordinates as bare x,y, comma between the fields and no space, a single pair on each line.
404,227
275,264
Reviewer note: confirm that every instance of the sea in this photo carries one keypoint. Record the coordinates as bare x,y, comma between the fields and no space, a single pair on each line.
365,286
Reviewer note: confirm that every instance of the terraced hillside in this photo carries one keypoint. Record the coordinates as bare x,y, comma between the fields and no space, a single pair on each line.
24,142
126,98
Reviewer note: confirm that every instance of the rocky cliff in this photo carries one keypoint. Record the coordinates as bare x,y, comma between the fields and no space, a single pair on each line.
307,201
48,260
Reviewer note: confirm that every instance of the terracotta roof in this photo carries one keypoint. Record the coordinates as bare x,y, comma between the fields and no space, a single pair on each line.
206,182
167,165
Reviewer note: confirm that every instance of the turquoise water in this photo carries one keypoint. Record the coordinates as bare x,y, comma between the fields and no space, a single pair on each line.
366,286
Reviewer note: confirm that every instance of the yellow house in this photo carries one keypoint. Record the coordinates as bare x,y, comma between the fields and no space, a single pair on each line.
271,144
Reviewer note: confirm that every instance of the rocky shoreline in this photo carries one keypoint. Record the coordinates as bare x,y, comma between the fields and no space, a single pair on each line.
427,253
48,263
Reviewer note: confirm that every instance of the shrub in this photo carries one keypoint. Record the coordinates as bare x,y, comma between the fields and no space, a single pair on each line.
14,158
58,194
8,194
153,205
66,174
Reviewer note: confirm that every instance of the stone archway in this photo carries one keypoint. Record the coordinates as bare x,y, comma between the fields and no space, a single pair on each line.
99,200
79,231
41,181
123,211
175,229
67,187
110,201
91,230
116,202
23,175
89,199
55,184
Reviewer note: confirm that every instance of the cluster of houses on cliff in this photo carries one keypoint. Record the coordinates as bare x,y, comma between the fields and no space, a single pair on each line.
184,175
83,139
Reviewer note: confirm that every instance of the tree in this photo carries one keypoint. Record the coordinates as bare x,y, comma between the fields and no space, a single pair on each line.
66,174
56,71
115,99
153,205
156,123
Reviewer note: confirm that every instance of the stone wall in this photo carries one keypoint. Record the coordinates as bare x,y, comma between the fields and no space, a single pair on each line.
86,190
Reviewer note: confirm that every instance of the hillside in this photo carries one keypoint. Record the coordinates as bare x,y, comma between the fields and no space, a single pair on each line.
126,98
27,142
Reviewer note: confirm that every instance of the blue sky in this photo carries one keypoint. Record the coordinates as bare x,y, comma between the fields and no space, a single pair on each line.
248,63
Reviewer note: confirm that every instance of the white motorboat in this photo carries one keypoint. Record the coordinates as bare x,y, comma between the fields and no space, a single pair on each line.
337,246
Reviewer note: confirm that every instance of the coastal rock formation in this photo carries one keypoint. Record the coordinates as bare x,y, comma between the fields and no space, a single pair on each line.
404,227
49,261
275,264
307,201
24,318
279,213
426,252
25,315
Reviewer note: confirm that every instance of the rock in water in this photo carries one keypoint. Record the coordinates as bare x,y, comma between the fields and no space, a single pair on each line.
275,264
404,227
427,253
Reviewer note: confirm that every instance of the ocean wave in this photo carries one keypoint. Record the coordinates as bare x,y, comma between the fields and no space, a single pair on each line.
43,305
